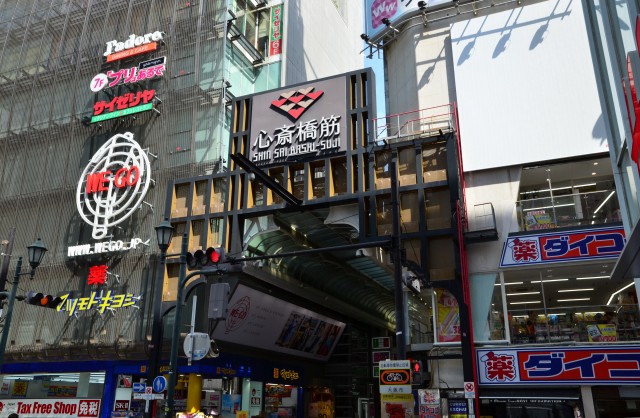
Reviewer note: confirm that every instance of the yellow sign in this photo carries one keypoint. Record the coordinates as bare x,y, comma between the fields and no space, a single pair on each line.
242,414
100,303
602,333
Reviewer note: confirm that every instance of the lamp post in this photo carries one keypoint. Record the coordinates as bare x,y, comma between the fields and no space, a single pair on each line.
164,233
35,253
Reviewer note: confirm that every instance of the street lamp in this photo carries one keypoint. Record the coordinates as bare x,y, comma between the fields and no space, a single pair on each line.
164,233
35,253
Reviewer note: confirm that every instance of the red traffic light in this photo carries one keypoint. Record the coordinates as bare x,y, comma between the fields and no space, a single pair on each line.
44,301
214,255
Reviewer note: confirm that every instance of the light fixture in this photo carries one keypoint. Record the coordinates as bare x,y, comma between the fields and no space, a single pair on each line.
386,21
592,278
523,293
594,173
549,281
364,37
508,284
586,289
573,300
164,233
596,163
524,303
603,202
422,5
549,207
35,252
618,291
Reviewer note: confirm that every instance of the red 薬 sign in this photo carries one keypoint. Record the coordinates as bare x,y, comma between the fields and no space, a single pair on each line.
575,365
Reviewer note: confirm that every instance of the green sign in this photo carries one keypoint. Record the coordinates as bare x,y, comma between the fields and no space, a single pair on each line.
123,112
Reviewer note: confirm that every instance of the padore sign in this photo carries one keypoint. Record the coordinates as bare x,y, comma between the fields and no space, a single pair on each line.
113,184
50,408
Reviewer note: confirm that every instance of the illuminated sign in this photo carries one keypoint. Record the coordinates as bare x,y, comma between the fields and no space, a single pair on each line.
555,247
570,365
113,185
101,303
285,374
97,275
105,247
124,105
305,123
144,71
134,45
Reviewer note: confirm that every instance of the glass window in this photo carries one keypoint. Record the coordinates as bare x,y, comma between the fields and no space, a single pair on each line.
488,311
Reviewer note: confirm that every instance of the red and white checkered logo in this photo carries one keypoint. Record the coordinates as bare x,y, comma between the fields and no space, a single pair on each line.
295,103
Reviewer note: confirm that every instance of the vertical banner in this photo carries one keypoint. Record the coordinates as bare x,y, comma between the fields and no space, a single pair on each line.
396,397
275,41
448,319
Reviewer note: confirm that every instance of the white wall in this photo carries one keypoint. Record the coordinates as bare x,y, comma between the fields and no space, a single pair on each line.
500,188
525,86
330,43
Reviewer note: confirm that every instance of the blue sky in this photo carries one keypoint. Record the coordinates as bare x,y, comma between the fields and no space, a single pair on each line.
378,69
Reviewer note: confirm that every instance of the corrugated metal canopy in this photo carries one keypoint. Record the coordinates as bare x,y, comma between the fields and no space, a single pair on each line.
360,281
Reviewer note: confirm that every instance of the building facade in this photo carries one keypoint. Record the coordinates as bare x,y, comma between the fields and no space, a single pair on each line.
547,216
104,104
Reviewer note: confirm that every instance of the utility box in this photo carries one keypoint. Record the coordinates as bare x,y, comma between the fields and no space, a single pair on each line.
218,300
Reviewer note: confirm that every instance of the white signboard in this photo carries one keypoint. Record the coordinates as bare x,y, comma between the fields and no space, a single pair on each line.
395,389
258,320
114,184
50,408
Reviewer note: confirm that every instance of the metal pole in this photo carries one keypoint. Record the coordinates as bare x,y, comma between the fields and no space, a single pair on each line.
173,361
155,347
396,254
7,321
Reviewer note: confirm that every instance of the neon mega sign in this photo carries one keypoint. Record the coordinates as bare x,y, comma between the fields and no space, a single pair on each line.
113,184
134,45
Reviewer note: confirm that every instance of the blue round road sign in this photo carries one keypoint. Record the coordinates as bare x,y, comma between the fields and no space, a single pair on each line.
159,384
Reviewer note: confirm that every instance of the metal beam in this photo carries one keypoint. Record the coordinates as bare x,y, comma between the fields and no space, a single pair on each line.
273,185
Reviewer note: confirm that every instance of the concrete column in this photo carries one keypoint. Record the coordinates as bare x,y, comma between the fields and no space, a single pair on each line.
587,402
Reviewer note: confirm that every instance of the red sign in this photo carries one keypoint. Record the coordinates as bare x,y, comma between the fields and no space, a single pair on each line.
124,102
44,408
633,109
143,49
552,247
97,275
121,405
580,365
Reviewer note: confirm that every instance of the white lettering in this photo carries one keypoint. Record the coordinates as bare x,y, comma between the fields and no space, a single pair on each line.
132,41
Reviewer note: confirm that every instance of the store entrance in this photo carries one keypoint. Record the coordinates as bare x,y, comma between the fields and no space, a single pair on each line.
617,402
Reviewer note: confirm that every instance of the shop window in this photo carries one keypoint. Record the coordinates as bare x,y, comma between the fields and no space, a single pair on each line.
434,162
176,242
438,208
318,176
384,214
200,191
217,195
257,192
409,213
296,178
338,176
180,201
441,259
196,237
215,232
407,166
488,313
383,175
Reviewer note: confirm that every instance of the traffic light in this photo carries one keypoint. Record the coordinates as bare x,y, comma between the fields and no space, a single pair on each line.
416,372
205,259
40,299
